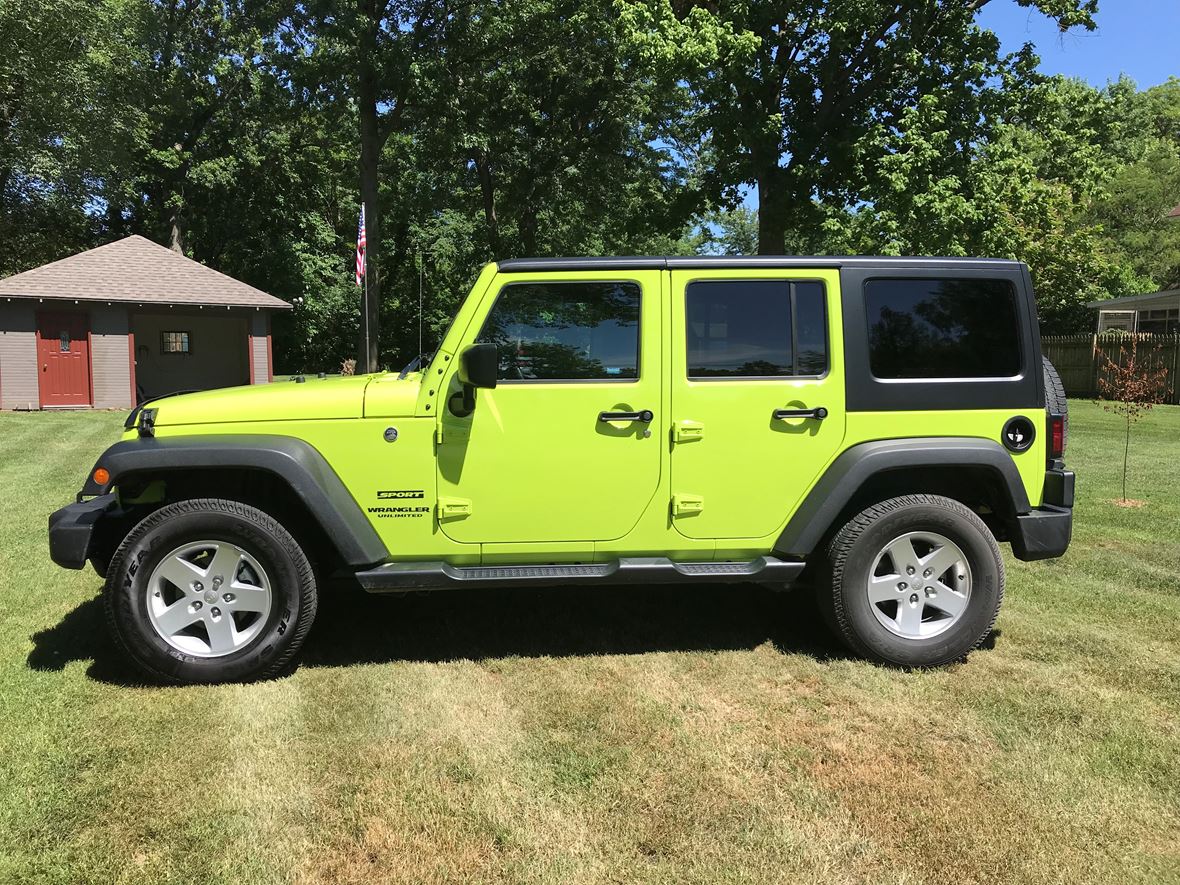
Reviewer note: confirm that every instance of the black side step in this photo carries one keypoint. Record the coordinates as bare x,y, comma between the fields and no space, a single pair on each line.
398,576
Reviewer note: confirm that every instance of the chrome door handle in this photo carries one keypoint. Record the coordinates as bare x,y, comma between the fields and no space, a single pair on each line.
818,413
646,416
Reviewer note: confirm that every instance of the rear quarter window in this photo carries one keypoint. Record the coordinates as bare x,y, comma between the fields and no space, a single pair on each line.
942,328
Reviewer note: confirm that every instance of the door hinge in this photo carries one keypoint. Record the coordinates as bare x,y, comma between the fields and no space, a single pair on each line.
453,508
687,431
686,505
438,434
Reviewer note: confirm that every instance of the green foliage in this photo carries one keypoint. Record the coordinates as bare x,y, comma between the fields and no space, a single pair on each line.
237,133
1132,209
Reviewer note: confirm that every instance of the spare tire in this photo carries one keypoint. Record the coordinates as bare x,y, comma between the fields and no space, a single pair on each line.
1055,401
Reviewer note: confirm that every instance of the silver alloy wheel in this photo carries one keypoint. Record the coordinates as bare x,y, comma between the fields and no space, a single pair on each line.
919,585
208,598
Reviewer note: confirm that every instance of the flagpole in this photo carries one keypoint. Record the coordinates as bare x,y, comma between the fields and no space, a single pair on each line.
367,355
365,314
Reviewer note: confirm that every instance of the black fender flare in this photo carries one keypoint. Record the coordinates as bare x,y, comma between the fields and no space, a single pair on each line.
857,464
297,463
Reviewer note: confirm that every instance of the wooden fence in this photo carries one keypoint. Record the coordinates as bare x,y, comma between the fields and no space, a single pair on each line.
1078,361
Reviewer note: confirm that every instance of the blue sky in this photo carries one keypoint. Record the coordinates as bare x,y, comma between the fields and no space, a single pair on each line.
1140,38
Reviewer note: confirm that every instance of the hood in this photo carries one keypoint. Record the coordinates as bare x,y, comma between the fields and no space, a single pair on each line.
342,397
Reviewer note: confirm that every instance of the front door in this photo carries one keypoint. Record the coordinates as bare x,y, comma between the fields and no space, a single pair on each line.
567,446
757,386
63,358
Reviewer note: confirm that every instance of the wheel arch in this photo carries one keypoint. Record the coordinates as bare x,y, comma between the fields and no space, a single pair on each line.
283,476
978,473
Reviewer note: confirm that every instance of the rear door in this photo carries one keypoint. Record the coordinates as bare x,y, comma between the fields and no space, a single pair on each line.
757,387
63,358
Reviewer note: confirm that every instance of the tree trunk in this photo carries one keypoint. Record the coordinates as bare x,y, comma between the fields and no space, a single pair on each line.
487,187
176,231
367,356
772,239
528,230
1126,456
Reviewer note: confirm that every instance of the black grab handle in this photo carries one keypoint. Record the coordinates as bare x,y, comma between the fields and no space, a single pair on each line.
645,416
818,413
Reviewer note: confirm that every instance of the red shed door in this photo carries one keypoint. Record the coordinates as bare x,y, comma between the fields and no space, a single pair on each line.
63,359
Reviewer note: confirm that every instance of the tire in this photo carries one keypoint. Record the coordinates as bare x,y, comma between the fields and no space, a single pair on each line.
1055,401
865,615
253,630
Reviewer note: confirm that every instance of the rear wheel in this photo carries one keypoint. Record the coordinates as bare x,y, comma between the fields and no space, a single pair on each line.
210,590
916,581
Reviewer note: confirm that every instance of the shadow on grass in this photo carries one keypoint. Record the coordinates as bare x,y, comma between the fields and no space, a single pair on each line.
353,627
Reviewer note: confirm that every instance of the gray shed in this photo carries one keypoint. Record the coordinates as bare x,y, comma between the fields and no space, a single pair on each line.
128,320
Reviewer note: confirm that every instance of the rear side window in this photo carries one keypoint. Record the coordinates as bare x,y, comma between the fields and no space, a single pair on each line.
755,328
942,328
566,331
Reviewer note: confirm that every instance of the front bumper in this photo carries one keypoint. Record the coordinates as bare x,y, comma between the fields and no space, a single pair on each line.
1045,532
71,530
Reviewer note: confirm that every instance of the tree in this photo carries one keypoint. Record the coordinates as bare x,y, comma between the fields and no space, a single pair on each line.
192,81
1129,388
368,55
542,136
1132,211
1020,189
788,91
55,57
557,128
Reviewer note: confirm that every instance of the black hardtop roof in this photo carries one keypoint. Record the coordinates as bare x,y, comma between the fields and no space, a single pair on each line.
691,262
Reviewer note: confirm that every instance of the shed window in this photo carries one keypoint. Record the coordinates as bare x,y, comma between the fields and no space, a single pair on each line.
175,342
1159,322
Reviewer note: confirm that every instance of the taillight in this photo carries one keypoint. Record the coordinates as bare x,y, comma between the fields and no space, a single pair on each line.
1056,436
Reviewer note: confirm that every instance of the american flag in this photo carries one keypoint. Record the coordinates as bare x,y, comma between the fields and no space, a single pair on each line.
360,246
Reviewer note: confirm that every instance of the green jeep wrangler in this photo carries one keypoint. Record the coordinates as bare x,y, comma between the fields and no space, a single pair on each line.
875,424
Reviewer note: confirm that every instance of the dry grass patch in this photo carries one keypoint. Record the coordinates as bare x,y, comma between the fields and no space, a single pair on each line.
580,736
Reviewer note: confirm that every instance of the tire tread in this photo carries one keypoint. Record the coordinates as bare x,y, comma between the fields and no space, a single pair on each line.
117,577
832,602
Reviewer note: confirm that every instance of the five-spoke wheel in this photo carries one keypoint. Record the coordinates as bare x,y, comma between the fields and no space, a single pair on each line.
208,598
915,581
919,585
210,590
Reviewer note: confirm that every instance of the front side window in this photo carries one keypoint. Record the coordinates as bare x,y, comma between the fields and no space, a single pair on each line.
566,331
942,328
755,328
175,342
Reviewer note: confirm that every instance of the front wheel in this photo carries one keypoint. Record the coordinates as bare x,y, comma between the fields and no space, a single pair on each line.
210,590
916,581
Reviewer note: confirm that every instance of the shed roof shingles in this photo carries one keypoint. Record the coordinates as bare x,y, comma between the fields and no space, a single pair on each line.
135,269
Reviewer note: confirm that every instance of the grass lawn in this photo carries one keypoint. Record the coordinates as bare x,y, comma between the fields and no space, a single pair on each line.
640,734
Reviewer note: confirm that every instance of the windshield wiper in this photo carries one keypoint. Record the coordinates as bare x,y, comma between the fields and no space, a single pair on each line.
416,363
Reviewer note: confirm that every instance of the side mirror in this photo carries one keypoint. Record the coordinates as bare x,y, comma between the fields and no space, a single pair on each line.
479,365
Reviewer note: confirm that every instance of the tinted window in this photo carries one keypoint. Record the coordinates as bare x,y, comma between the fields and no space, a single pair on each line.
565,331
942,328
752,328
